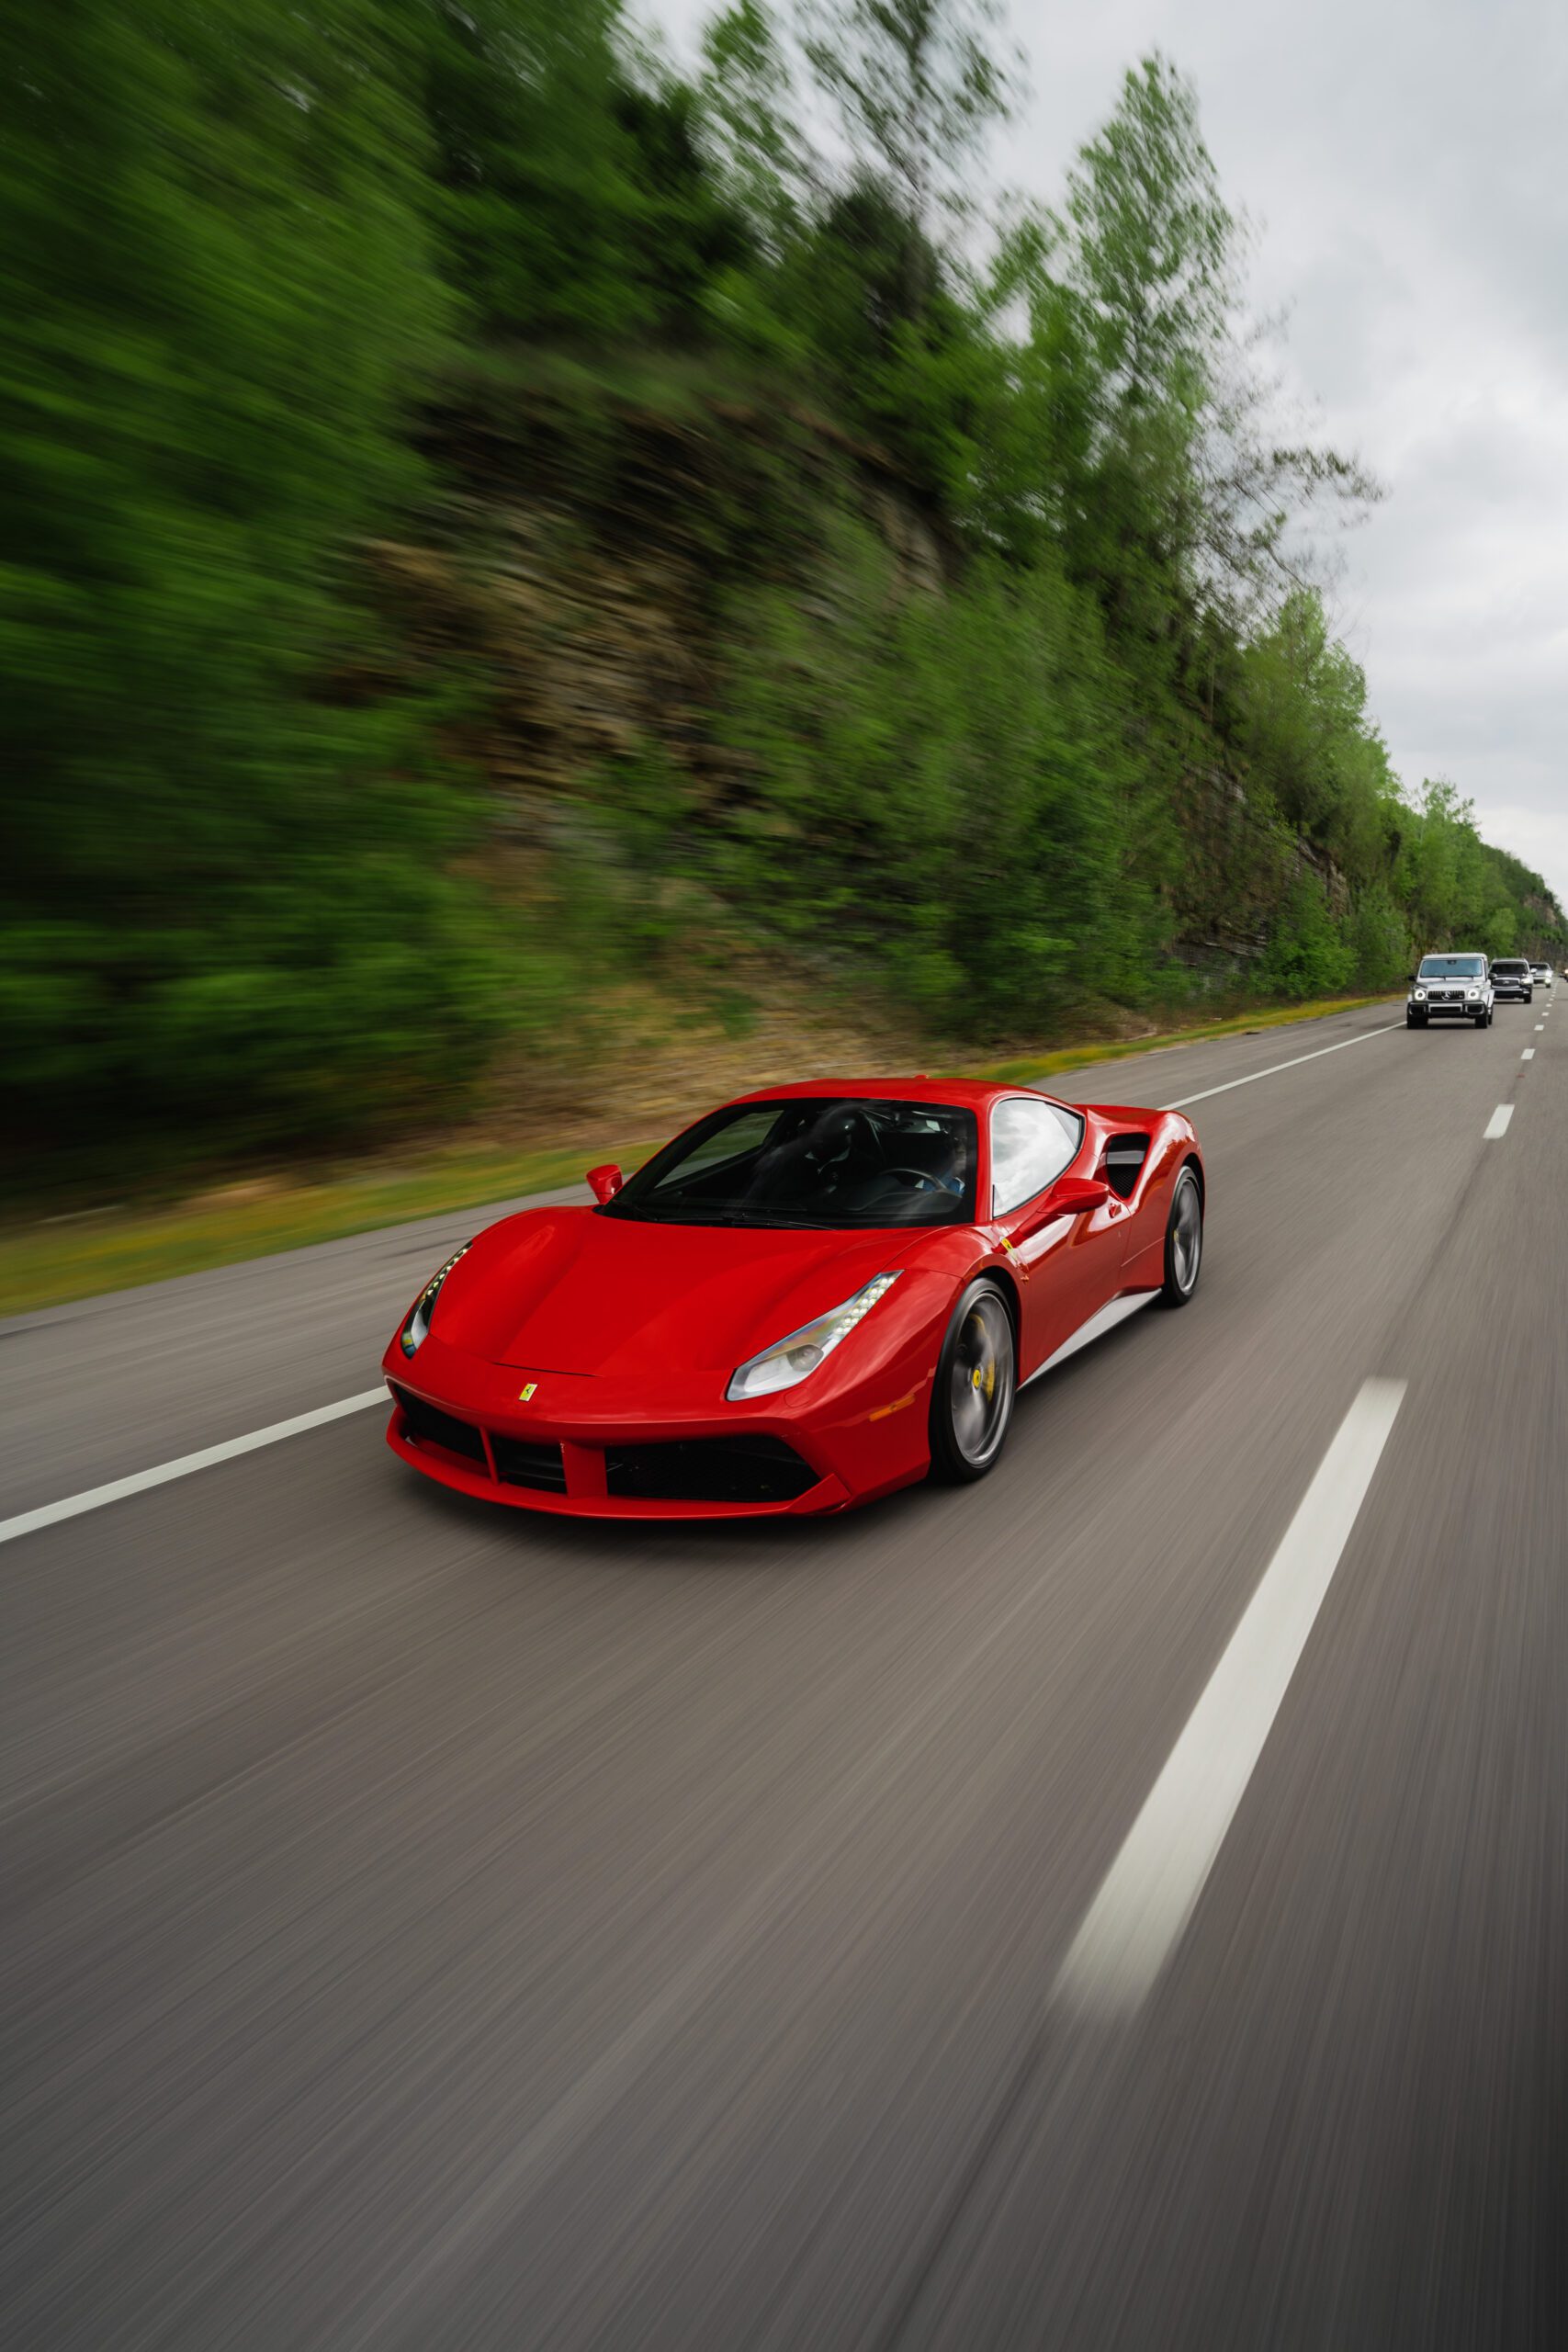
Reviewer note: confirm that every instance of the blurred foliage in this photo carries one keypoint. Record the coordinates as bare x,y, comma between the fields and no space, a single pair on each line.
239,243
945,790
226,876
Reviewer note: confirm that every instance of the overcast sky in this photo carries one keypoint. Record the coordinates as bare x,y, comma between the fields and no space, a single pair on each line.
1405,162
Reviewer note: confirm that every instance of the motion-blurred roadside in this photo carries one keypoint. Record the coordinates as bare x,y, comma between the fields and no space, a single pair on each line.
511,546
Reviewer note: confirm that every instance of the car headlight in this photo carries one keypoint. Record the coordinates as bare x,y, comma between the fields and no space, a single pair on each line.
1420,995
790,1359
1472,991
416,1330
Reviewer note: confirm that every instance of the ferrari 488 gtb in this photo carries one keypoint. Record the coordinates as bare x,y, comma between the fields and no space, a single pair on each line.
814,1295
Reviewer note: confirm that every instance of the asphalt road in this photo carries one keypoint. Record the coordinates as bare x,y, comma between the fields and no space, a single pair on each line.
430,1926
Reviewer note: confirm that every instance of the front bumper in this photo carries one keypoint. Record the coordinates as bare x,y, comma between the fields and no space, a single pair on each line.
579,1447
1446,1009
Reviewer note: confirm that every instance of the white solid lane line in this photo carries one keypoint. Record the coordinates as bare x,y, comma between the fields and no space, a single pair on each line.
1153,1885
94,1497
1497,1124
1275,1068
1528,1054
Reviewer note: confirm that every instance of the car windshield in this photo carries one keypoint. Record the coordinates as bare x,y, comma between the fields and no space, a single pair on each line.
829,1162
1514,971
1453,967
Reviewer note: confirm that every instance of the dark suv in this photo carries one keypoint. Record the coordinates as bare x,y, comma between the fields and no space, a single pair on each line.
1511,976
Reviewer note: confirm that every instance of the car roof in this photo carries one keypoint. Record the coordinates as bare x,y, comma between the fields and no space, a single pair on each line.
969,1093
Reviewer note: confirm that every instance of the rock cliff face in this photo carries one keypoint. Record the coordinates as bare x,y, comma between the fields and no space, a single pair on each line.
576,571
1235,869
579,562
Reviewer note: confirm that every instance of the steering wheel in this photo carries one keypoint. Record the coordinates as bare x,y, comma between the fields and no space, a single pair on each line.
921,1177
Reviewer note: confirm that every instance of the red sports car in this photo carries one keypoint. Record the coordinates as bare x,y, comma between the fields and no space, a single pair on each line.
815,1295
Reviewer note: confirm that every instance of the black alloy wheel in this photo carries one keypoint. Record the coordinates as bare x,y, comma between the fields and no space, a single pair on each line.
1183,1241
976,1381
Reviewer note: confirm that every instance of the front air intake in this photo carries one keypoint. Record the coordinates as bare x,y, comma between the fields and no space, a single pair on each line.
428,1425
528,1462
708,1470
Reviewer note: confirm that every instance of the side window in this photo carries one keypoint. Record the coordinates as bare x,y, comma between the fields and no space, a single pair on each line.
1032,1142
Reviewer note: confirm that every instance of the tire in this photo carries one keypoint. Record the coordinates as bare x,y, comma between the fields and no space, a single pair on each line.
1415,1021
1483,1020
1183,1241
976,1383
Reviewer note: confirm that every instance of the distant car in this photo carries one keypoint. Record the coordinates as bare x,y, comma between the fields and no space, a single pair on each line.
1456,987
813,1295
1511,978
1544,975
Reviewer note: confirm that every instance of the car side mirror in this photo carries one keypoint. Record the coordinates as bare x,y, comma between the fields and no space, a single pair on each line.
605,1181
1074,1195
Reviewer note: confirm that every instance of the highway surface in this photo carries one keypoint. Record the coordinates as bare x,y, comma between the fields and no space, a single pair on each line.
1121,1905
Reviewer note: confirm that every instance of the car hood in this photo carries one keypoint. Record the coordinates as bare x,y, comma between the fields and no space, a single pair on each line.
566,1290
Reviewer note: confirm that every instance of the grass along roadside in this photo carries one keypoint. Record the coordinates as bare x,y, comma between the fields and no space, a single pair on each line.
1030,1067
49,1262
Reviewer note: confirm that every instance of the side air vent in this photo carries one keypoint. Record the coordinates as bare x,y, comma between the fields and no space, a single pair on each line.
1123,1163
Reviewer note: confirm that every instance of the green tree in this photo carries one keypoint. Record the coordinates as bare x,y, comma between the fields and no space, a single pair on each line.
1192,487
218,281
748,112
918,85
534,170
947,793
1307,955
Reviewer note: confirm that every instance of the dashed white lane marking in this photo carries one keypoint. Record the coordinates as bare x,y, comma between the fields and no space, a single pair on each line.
1497,1124
1153,1885
1275,1068
1528,1054
1538,1027
94,1497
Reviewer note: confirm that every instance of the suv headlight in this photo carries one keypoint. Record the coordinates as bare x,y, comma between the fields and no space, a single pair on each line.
1472,991
789,1360
416,1330
1419,994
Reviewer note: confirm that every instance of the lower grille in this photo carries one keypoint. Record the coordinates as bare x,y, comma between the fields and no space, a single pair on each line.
708,1470
428,1425
527,1462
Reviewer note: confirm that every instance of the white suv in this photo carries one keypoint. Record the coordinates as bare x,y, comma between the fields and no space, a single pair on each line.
1544,975
1450,987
